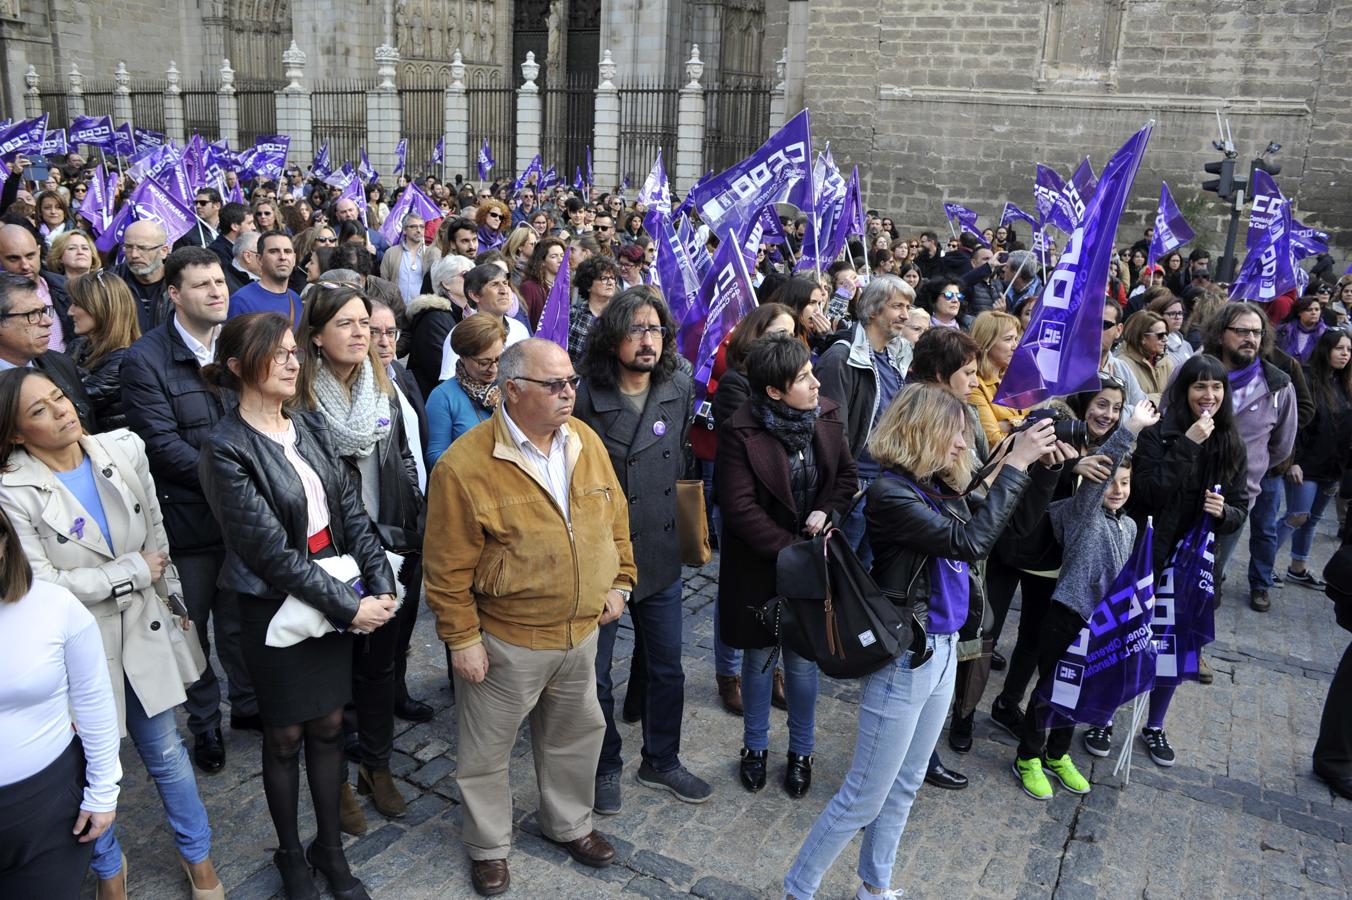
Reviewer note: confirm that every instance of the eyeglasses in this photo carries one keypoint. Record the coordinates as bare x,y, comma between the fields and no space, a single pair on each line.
638,332
605,227
1246,332
326,240
201,203
1156,334
33,316
494,215
606,279
554,386
491,363
952,295
380,334
1109,326
282,354
141,248
1176,314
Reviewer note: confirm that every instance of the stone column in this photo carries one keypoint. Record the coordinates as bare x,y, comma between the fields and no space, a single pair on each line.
459,143
606,140
778,104
690,125
75,93
174,118
528,114
293,106
796,56
383,113
121,95
227,105
32,97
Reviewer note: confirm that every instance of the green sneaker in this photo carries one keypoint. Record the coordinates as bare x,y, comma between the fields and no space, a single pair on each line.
1034,781
1069,776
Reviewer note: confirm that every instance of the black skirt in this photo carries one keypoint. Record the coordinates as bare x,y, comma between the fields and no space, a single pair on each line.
298,683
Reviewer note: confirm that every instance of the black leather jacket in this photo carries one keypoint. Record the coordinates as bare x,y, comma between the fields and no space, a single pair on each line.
103,383
259,503
905,532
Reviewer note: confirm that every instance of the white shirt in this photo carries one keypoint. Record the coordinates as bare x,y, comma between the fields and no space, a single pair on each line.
52,663
552,468
515,332
410,420
203,353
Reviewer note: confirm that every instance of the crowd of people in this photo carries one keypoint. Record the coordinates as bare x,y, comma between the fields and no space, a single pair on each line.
242,436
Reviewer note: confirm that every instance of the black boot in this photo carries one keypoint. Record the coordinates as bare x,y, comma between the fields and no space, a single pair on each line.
960,733
753,769
332,862
798,776
296,881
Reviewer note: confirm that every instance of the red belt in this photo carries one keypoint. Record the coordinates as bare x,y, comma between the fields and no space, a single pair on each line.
320,539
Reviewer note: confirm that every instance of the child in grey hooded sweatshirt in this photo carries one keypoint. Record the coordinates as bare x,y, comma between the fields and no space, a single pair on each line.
1096,538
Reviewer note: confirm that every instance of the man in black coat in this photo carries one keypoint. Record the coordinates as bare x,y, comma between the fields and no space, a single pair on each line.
637,399
173,410
1333,749
25,333
234,220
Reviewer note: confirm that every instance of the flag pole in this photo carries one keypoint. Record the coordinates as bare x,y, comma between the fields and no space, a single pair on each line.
1124,757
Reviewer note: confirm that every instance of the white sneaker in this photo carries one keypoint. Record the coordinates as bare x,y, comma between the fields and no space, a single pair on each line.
887,894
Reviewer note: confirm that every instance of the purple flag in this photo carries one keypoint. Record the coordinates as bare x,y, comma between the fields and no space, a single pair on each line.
578,184
236,194
439,151
96,208
696,249
1307,241
124,144
966,220
486,160
728,296
112,235
828,199
320,166
1049,194
365,172
778,171
400,155
1171,229
1268,270
55,144
155,202
534,167
1012,212
269,156
412,200
554,317
1079,190
656,191
353,191
1113,659
1349,269
688,203
1059,353
97,131
549,178
849,220
21,136
591,180
772,230
1184,621
147,138
1267,199
674,272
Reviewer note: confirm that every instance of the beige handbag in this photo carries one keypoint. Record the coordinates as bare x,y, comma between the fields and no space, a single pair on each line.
692,524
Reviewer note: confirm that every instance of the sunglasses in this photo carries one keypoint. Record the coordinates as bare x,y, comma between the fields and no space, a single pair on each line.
952,295
554,386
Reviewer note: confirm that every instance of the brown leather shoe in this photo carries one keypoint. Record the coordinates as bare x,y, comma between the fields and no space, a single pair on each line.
489,876
777,699
1259,602
730,692
379,784
1204,673
590,850
351,819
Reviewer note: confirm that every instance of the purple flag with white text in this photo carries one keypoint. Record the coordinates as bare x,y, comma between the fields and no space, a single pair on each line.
322,166
728,295
553,324
269,155
147,138
1113,658
97,131
656,191
534,167
696,250
1079,190
674,272
400,155
1012,213
354,191
549,178
1049,194
1184,620
1059,353
412,200
779,171
55,144
1171,229
1307,241
365,171
439,151
578,184
966,220
21,137
486,160
1268,270
96,206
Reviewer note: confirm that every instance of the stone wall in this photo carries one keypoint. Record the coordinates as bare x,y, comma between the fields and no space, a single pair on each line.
956,100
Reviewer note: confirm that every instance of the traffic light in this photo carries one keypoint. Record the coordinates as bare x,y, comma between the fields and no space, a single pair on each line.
1267,165
1223,185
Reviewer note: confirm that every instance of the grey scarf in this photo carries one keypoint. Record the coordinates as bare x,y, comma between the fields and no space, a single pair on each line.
356,424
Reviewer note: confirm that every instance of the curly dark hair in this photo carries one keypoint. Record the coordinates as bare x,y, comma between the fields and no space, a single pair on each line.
594,268
600,361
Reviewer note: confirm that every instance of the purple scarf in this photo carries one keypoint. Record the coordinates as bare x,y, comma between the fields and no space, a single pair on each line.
1299,341
490,238
1240,378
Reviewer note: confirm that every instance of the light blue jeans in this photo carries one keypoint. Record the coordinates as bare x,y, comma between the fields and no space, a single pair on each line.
900,716
1310,498
166,759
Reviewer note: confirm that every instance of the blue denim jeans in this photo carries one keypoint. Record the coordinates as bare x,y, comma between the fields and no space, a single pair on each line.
1263,517
800,690
658,618
1309,498
727,660
854,527
166,759
900,716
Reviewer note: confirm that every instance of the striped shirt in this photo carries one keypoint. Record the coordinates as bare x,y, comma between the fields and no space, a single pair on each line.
553,469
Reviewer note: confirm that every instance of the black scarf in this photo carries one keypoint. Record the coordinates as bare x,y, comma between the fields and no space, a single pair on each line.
792,427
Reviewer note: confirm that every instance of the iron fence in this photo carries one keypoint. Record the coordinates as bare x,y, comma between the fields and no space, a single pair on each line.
98,99
147,105
54,103
492,115
201,111
424,117
339,117
736,121
647,124
257,109
569,115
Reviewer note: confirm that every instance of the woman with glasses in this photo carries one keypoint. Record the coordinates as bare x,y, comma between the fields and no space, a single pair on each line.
494,220
540,222
285,500
1145,343
72,254
266,217
1171,309
103,311
342,380
944,299
77,196
463,401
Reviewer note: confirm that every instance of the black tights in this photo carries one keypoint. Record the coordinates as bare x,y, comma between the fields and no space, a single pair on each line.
324,768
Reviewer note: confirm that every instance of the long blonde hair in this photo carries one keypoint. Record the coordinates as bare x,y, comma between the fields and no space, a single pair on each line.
916,433
109,302
988,328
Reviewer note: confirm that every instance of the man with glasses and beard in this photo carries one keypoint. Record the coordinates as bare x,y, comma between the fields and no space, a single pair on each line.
144,247
636,397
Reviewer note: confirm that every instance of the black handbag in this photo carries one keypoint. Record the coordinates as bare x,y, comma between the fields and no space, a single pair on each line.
831,611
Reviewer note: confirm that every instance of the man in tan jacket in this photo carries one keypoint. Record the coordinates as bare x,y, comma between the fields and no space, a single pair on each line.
528,554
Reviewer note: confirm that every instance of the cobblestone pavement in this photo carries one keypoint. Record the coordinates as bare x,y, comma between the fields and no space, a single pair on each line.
1241,815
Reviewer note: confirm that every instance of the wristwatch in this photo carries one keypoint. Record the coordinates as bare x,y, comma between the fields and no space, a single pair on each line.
625,594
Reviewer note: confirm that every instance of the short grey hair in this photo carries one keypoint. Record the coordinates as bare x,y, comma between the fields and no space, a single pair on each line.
245,243
880,289
1024,263
512,364
11,287
446,268
403,223
349,277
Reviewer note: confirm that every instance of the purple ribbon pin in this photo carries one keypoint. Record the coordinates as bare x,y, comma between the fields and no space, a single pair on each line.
77,529
382,421
659,428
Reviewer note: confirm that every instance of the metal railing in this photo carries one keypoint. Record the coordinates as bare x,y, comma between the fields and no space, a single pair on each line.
201,111
257,109
98,100
55,104
424,116
339,117
647,124
492,115
147,105
569,115
736,121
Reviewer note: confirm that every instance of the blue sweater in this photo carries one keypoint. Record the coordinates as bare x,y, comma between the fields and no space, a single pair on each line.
450,413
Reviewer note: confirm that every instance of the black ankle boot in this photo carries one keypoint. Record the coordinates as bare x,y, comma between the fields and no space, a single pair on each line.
753,769
296,881
960,733
798,776
332,862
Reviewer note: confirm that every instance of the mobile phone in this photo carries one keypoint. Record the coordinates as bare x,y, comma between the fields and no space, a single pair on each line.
37,174
177,606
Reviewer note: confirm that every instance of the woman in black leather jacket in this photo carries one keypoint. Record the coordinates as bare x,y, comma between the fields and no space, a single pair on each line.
284,502
342,380
924,539
103,311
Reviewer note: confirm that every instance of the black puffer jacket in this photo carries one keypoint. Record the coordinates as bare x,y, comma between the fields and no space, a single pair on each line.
259,503
905,532
103,383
